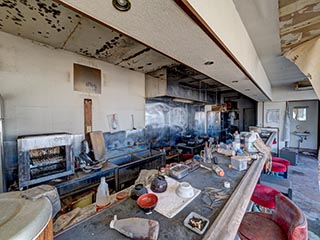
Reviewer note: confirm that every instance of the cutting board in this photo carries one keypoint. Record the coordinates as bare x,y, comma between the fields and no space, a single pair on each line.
169,203
98,146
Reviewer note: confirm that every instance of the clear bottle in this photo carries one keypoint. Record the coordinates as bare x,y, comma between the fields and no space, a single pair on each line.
103,196
218,170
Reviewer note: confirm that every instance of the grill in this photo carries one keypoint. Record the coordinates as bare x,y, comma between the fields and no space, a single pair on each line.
44,157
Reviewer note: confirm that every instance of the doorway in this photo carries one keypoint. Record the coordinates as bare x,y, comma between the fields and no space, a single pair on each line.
304,124
249,118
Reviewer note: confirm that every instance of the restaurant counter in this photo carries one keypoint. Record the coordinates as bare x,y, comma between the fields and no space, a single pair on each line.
224,218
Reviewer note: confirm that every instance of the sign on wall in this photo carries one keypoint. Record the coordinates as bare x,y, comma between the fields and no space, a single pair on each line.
86,79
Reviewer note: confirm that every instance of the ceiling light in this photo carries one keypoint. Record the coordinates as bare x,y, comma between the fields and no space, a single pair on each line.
182,100
209,63
122,5
235,81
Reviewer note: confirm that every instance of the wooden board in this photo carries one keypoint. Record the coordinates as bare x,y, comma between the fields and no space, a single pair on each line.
87,116
98,146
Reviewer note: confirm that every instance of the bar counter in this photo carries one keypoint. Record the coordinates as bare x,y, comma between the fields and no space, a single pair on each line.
224,219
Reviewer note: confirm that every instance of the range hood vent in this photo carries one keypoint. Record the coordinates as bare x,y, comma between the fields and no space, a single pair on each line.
159,85
303,85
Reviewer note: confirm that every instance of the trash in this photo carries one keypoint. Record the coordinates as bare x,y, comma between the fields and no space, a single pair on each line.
136,228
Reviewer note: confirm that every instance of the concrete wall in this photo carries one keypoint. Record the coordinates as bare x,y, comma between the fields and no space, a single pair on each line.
36,83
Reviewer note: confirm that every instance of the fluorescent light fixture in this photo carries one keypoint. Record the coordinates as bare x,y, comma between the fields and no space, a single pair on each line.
182,100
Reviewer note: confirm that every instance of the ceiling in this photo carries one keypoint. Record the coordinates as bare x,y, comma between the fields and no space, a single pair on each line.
261,19
299,22
51,23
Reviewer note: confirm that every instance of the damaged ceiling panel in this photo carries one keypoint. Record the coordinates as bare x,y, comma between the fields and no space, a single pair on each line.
51,23
44,22
299,22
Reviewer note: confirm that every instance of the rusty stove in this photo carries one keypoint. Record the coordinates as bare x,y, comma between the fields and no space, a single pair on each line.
44,157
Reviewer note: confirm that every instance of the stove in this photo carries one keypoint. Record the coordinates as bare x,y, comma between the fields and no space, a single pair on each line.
44,157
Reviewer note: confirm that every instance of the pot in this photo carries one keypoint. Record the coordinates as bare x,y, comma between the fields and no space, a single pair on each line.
137,191
159,184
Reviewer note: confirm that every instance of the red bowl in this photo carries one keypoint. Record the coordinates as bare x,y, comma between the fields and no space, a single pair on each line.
147,202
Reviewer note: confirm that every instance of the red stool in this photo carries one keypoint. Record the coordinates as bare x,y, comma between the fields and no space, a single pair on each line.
279,168
281,160
287,222
264,196
186,156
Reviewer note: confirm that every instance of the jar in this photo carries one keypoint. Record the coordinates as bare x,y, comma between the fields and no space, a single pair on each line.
137,191
159,184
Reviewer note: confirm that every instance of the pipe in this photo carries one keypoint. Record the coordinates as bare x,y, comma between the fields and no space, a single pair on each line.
2,173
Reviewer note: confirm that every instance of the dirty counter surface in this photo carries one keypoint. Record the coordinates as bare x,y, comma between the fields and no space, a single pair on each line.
225,215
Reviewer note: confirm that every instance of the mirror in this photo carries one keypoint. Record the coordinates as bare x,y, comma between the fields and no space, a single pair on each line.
299,113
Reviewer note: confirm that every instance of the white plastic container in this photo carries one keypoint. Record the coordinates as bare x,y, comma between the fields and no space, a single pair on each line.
239,163
249,140
103,196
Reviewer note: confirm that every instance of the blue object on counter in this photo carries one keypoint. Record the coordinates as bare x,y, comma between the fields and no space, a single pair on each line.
239,152
196,157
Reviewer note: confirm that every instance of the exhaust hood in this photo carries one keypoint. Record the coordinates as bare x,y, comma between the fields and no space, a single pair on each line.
182,84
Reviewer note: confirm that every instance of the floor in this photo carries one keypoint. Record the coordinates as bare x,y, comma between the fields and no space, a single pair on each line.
306,194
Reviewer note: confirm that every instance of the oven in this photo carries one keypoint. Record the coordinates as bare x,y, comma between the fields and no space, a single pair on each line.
44,157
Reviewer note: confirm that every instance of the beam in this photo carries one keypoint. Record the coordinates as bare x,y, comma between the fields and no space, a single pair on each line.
296,6
300,25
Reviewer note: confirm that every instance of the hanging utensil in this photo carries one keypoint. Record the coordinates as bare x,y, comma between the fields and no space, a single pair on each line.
132,120
114,122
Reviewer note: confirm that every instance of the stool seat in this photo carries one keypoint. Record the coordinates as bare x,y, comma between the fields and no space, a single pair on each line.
264,196
260,226
186,156
281,160
278,167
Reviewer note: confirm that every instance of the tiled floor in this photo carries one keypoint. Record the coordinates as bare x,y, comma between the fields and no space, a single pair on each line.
306,193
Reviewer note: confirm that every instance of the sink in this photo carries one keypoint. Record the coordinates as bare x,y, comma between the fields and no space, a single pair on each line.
120,161
302,134
146,153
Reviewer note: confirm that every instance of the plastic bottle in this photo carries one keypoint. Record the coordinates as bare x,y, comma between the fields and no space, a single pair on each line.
218,170
250,138
236,140
103,196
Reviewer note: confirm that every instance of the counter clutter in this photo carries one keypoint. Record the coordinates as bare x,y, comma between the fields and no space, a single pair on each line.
210,196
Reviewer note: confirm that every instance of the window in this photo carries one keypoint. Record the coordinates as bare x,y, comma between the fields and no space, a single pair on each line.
299,113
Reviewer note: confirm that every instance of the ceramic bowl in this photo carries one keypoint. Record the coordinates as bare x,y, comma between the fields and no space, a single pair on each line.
159,184
137,191
97,167
147,202
184,190
87,169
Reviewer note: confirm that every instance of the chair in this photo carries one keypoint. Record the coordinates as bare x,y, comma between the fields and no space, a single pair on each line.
264,196
279,169
287,222
281,160
186,156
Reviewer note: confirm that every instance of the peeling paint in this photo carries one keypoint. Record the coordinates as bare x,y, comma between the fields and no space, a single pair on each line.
315,32
291,38
286,23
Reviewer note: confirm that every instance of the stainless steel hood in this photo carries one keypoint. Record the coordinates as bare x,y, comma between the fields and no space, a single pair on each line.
183,83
